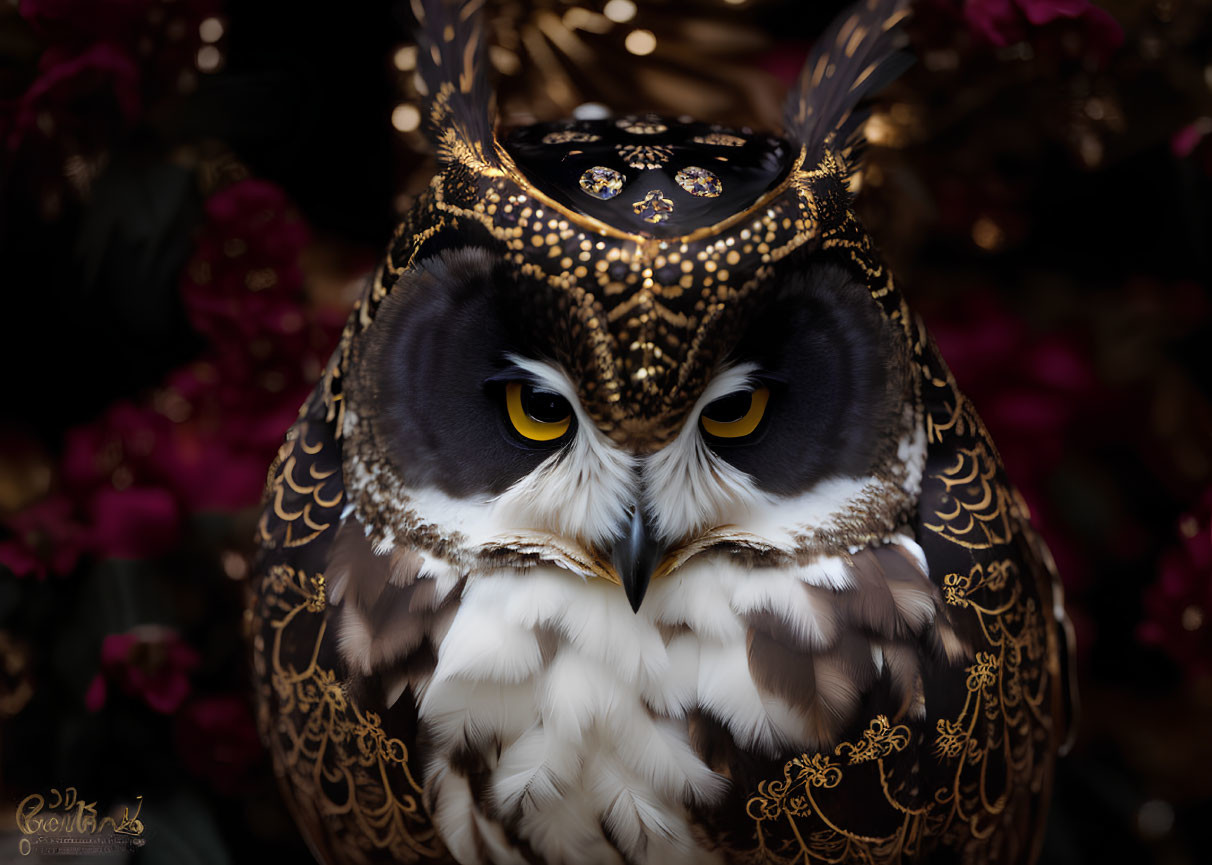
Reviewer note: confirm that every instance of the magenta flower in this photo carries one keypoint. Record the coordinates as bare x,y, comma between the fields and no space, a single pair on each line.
48,538
243,287
133,523
217,740
150,663
1178,606
1003,22
70,93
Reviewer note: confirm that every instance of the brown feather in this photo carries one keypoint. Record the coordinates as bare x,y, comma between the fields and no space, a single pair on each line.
777,667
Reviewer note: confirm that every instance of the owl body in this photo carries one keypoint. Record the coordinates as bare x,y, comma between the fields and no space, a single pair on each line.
636,520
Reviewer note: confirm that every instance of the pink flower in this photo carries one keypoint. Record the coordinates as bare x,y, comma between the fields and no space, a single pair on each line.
1187,140
1178,605
48,538
217,740
150,663
133,523
243,287
1003,22
87,19
70,99
119,447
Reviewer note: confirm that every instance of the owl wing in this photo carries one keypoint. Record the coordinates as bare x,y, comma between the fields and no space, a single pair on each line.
998,728
344,769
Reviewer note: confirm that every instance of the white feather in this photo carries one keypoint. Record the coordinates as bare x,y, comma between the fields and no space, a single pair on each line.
585,490
828,572
688,488
541,596
697,596
676,692
482,645
659,753
569,831
601,625
533,771
354,641
770,590
727,691
628,808
576,692
481,713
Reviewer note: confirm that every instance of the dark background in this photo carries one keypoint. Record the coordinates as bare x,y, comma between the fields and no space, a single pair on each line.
184,221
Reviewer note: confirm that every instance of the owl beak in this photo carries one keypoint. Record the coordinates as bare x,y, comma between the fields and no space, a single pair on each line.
635,556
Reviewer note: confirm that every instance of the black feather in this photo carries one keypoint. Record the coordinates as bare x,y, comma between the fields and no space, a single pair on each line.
857,55
459,107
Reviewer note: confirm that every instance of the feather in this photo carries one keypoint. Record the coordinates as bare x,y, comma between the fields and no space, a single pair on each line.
901,664
412,672
870,605
917,600
630,813
460,109
355,573
470,837
483,646
777,667
569,830
857,55
728,693
674,693
843,675
533,771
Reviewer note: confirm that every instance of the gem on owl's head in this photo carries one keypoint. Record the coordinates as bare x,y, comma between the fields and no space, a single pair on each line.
602,182
651,126
705,183
699,181
654,208
720,139
647,156
566,136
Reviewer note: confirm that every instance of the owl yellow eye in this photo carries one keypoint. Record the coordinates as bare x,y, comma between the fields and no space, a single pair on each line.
736,415
537,414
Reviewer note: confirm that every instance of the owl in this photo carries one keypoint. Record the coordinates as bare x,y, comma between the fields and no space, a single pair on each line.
636,519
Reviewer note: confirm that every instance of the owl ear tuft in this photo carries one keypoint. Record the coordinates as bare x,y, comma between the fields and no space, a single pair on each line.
459,107
857,55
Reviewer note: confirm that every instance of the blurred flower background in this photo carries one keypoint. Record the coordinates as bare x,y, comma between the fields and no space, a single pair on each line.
191,191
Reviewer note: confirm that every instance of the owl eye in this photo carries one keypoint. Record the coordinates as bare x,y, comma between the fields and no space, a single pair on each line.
537,414
737,415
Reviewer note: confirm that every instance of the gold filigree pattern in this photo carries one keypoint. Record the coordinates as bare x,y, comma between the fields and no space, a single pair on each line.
296,477
338,766
993,577
879,740
791,796
981,508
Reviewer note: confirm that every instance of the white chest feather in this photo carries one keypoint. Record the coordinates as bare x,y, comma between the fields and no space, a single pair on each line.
577,707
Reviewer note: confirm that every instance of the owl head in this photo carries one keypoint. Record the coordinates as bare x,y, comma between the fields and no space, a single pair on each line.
617,344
